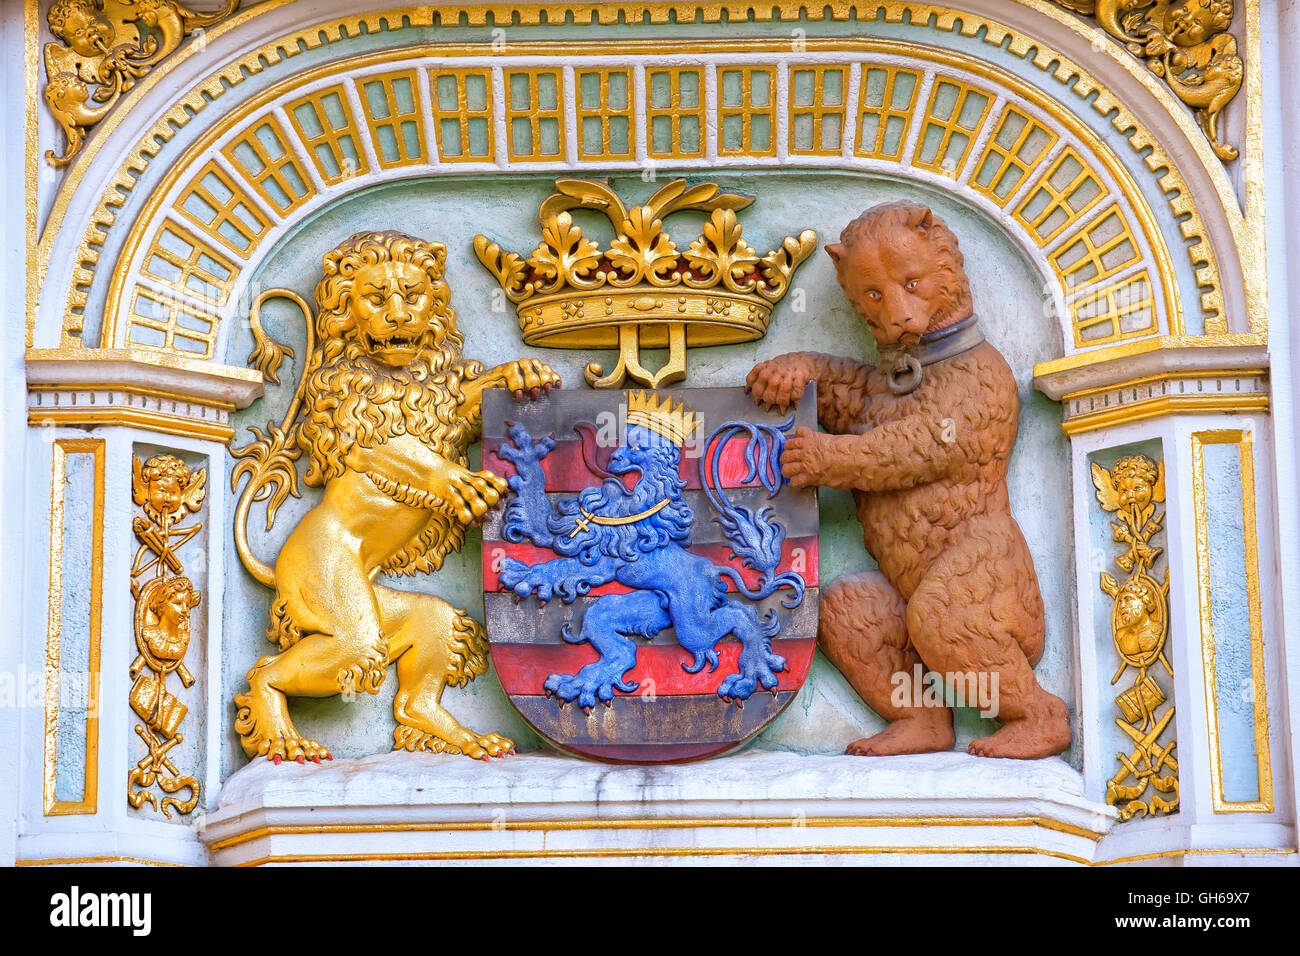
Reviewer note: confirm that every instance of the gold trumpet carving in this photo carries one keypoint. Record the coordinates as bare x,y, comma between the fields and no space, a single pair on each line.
1186,43
103,48
1132,490
167,492
385,410
643,291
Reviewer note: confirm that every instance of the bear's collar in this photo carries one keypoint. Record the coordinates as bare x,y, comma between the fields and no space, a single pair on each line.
903,365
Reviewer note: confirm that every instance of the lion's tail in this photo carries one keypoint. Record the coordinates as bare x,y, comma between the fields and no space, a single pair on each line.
255,565
270,460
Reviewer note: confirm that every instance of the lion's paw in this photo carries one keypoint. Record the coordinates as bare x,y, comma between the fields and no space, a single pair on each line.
488,745
299,749
757,669
413,740
596,681
776,383
523,579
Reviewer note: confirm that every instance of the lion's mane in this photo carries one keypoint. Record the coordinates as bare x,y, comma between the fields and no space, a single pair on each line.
375,402
626,542
883,225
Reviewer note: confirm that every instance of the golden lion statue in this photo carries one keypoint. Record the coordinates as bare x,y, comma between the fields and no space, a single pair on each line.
385,409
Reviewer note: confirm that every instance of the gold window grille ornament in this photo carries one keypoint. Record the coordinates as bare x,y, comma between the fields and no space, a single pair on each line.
1017,146
1123,309
324,122
463,123
815,107
166,323
392,107
264,157
886,97
1100,311
1066,191
746,102
606,126
180,260
953,117
674,112
220,207
535,114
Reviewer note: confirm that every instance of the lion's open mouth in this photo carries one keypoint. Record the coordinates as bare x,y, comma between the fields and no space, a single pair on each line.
403,342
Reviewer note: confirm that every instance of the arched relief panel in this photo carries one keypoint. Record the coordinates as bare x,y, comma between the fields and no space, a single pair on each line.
1131,193
916,113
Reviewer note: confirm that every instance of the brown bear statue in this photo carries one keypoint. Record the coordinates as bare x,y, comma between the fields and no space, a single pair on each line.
922,441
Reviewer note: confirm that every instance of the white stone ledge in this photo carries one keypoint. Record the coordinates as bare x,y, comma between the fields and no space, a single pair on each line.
1150,362
758,806
201,380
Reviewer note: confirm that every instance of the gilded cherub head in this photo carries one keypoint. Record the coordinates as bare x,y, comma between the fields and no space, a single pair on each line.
1139,619
82,26
165,487
1192,22
1135,478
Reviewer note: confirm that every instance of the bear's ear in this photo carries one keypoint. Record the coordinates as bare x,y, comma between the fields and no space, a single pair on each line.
836,251
922,219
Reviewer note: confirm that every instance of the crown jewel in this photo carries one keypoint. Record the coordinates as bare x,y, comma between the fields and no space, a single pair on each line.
643,290
663,418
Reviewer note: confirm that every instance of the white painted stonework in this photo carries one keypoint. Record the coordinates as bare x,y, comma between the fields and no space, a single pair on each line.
757,806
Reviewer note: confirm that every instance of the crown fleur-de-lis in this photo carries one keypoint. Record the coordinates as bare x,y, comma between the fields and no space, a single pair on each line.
645,290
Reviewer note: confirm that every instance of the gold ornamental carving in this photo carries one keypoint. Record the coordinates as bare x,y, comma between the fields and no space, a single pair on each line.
167,492
1187,44
643,290
1147,780
102,48
385,410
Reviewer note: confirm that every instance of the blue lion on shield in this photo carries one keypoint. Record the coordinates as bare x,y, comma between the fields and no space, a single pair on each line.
639,538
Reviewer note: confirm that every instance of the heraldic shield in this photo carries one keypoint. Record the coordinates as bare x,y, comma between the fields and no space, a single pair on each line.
651,582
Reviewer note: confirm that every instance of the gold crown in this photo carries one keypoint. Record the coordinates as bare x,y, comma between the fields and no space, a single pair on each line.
643,290
674,423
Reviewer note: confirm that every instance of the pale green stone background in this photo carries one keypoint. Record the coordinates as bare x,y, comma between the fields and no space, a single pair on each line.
74,619
1230,620
827,714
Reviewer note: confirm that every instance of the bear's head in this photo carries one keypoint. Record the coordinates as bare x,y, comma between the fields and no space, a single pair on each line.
900,268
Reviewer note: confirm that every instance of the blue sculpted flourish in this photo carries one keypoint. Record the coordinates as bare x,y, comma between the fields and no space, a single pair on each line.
640,538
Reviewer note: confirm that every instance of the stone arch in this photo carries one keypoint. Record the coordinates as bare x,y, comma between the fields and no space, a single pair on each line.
1153,293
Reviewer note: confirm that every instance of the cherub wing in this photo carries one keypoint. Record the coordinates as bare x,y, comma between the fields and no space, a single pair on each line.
138,491
1106,493
1158,492
195,490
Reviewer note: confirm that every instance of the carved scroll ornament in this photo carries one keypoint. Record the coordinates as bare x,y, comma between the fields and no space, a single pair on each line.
102,48
1187,44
